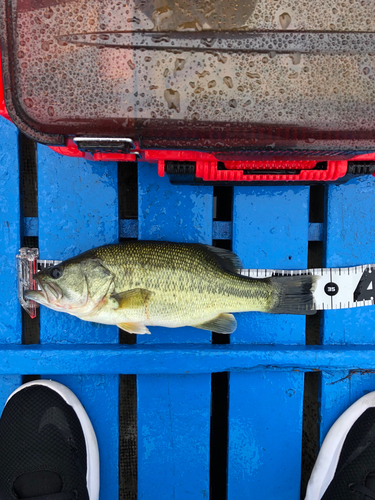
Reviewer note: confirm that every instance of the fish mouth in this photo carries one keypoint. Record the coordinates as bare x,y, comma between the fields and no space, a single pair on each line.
48,294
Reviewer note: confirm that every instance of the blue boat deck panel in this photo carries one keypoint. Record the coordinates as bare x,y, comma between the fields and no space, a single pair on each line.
10,238
173,410
270,231
350,241
78,210
267,358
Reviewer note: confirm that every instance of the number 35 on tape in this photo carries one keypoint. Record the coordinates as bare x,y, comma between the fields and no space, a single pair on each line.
336,288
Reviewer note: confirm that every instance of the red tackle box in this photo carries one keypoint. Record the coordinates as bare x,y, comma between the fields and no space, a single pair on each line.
224,91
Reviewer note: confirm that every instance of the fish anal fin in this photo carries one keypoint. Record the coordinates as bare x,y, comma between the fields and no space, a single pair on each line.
131,299
224,323
138,328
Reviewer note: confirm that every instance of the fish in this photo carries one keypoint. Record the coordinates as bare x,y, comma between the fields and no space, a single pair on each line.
138,284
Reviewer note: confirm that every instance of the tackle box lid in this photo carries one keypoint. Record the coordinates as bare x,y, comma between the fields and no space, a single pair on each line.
231,76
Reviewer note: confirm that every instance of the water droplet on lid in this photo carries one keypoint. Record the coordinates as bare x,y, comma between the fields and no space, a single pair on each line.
50,111
228,81
285,20
296,58
173,99
179,64
28,102
48,13
131,65
211,84
233,103
20,54
203,74
366,70
221,58
45,45
252,75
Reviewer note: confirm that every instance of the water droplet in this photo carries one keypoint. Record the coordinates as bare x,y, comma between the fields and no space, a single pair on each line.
221,58
252,75
20,54
203,74
247,103
160,14
190,26
50,111
131,65
296,58
293,75
48,13
233,103
366,70
179,64
45,45
173,99
228,81
285,20
211,84
28,102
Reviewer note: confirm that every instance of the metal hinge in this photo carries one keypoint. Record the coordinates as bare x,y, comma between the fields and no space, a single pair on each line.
105,145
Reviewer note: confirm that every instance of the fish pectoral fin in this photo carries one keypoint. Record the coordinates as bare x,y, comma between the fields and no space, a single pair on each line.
224,323
134,328
131,299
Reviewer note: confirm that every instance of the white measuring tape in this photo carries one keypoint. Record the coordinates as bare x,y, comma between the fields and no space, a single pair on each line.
336,288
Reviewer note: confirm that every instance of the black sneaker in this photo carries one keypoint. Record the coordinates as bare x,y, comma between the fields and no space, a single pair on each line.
345,467
48,447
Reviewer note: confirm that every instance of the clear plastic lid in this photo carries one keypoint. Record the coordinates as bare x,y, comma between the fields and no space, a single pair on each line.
211,75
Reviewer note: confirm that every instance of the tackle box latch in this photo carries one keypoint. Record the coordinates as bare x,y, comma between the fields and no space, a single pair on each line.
105,145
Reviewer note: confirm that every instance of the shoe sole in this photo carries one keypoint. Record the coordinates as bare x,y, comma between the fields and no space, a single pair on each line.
92,450
326,463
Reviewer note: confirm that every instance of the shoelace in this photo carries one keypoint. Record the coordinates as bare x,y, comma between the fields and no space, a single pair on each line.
362,489
68,495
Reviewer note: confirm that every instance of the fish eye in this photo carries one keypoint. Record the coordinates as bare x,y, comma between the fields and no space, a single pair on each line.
56,272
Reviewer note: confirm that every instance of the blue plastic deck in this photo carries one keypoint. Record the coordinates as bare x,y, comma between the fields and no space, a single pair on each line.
10,238
350,241
270,231
78,210
173,411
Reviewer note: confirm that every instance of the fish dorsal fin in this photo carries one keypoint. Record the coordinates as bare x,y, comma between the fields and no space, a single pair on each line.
130,299
224,323
227,259
134,328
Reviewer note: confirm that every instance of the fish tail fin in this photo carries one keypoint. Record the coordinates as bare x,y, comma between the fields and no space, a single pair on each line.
293,294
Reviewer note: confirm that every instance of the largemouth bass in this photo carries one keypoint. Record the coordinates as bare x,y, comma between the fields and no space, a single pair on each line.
139,284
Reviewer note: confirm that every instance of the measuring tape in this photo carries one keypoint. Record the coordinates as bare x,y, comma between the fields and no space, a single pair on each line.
336,288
